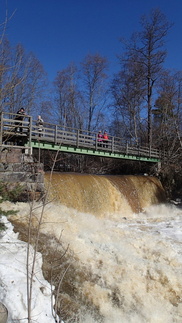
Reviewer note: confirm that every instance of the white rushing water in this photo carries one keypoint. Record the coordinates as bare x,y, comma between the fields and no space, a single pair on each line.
134,263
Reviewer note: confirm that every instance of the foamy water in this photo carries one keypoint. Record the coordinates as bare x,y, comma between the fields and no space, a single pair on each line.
133,263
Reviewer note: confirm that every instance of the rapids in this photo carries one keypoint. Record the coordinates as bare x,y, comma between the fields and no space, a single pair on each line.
124,255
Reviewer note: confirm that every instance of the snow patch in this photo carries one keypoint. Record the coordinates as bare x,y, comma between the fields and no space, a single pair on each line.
13,280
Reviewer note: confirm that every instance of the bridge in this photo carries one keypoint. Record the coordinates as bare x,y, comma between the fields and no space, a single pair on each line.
26,135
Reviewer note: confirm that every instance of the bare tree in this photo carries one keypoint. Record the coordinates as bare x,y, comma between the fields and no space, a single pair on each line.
146,48
5,65
22,79
152,54
167,114
68,105
94,93
128,91
4,70
35,83
14,79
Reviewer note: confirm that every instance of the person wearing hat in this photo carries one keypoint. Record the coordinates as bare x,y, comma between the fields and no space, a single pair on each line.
99,139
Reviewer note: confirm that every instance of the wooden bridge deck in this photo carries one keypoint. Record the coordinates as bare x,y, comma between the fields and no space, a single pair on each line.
69,140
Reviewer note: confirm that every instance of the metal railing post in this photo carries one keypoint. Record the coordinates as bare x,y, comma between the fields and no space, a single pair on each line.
96,142
56,134
126,148
112,145
1,129
30,135
138,150
77,139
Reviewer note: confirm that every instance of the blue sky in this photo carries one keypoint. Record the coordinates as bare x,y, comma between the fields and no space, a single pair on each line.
59,32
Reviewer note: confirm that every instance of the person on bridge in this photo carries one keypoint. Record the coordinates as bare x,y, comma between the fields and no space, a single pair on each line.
39,124
99,139
105,139
20,116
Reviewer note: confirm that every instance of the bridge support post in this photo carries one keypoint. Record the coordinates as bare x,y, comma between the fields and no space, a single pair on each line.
158,167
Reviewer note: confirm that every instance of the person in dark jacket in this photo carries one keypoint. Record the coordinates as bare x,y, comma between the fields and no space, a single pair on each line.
20,116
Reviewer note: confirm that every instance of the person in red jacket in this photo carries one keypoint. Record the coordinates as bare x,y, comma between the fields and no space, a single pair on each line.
99,139
105,139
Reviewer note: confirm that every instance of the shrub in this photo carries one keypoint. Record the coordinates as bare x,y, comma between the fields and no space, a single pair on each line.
10,194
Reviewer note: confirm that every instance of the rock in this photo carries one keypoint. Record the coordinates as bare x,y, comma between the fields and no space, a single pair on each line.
3,313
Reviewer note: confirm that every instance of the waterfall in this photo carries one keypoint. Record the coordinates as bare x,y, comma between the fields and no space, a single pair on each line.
116,243
104,195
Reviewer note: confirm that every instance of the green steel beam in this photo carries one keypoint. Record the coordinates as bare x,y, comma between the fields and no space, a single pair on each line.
91,152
